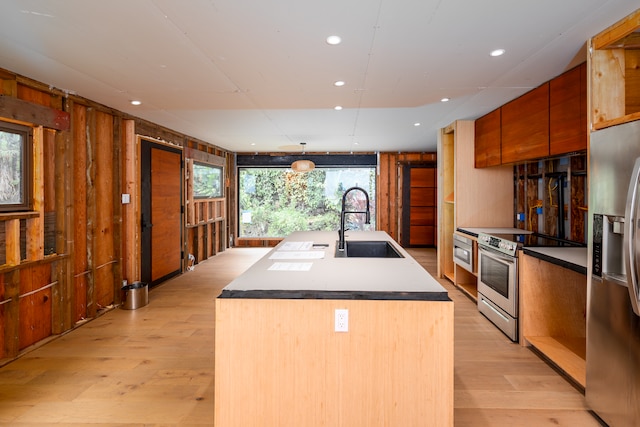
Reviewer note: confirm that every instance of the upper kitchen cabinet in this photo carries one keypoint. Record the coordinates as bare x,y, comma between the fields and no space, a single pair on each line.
487,144
614,73
567,112
525,126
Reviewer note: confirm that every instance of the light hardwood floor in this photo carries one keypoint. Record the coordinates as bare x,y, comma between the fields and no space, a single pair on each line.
154,366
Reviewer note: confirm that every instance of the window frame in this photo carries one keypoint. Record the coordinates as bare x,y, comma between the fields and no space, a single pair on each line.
26,182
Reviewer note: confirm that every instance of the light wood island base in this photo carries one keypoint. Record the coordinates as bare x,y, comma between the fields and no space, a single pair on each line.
279,362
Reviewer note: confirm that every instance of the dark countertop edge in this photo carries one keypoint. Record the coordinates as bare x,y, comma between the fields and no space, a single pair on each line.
562,263
338,295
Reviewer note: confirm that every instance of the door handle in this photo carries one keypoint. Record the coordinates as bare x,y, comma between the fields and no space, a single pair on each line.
144,223
631,224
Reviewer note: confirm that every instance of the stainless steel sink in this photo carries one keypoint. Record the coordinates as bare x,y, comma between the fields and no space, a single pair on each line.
368,249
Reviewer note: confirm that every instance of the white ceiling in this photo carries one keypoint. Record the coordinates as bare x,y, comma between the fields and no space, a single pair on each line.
257,75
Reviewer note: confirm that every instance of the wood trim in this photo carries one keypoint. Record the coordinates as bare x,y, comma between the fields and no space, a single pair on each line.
34,114
35,226
617,121
63,304
196,154
617,31
8,216
130,211
12,232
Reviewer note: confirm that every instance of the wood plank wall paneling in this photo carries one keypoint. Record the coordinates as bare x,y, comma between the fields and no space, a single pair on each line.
632,81
35,226
532,194
35,304
578,201
49,190
11,310
104,249
84,148
389,192
130,211
3,298
80,262
386,193
607,85
63,293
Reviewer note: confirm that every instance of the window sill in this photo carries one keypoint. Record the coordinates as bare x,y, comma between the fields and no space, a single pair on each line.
8,216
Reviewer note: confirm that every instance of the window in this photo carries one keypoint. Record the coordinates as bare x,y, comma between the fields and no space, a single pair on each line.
15,170
207,181
274,202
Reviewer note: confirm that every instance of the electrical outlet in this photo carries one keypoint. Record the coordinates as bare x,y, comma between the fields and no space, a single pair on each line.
342,320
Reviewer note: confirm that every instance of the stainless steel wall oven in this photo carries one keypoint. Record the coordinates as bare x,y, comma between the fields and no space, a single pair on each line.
463,252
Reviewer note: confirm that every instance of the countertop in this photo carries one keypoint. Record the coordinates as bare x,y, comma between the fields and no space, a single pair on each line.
474,231
574,258
292,272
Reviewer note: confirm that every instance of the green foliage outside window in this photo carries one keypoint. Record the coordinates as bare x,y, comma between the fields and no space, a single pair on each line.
274,202
207,181
11,152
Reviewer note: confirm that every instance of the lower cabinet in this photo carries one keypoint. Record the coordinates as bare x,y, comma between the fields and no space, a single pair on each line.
465,280
553,301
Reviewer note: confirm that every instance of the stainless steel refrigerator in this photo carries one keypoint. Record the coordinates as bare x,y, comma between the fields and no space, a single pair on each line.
613,322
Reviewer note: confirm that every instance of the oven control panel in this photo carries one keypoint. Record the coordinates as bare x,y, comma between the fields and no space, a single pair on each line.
505,246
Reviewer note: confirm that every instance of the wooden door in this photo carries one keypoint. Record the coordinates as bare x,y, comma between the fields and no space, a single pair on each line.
419,209
161,210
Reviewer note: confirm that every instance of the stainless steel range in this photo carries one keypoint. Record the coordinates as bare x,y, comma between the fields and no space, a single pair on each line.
498,271
498,279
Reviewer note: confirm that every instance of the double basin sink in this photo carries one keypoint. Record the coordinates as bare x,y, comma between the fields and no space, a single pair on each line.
368,249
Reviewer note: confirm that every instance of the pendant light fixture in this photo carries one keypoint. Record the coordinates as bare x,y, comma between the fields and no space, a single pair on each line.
302,165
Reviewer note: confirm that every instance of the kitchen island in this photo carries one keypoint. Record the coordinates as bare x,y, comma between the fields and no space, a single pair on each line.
305,338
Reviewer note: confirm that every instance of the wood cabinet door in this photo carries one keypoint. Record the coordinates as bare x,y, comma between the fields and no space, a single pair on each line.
568,111
419,211
525,126
487,140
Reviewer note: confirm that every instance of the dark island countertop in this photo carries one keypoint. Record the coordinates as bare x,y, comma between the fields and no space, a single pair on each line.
303,266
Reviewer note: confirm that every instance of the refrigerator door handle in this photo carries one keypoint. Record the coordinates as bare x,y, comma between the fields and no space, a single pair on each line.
631,237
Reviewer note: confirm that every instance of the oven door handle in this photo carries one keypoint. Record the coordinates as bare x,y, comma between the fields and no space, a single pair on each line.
495,254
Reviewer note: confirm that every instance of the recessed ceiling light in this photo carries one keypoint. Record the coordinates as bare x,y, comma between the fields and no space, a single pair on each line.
444,100
497,52
338,107
338,83
136,102
334,40
416,124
